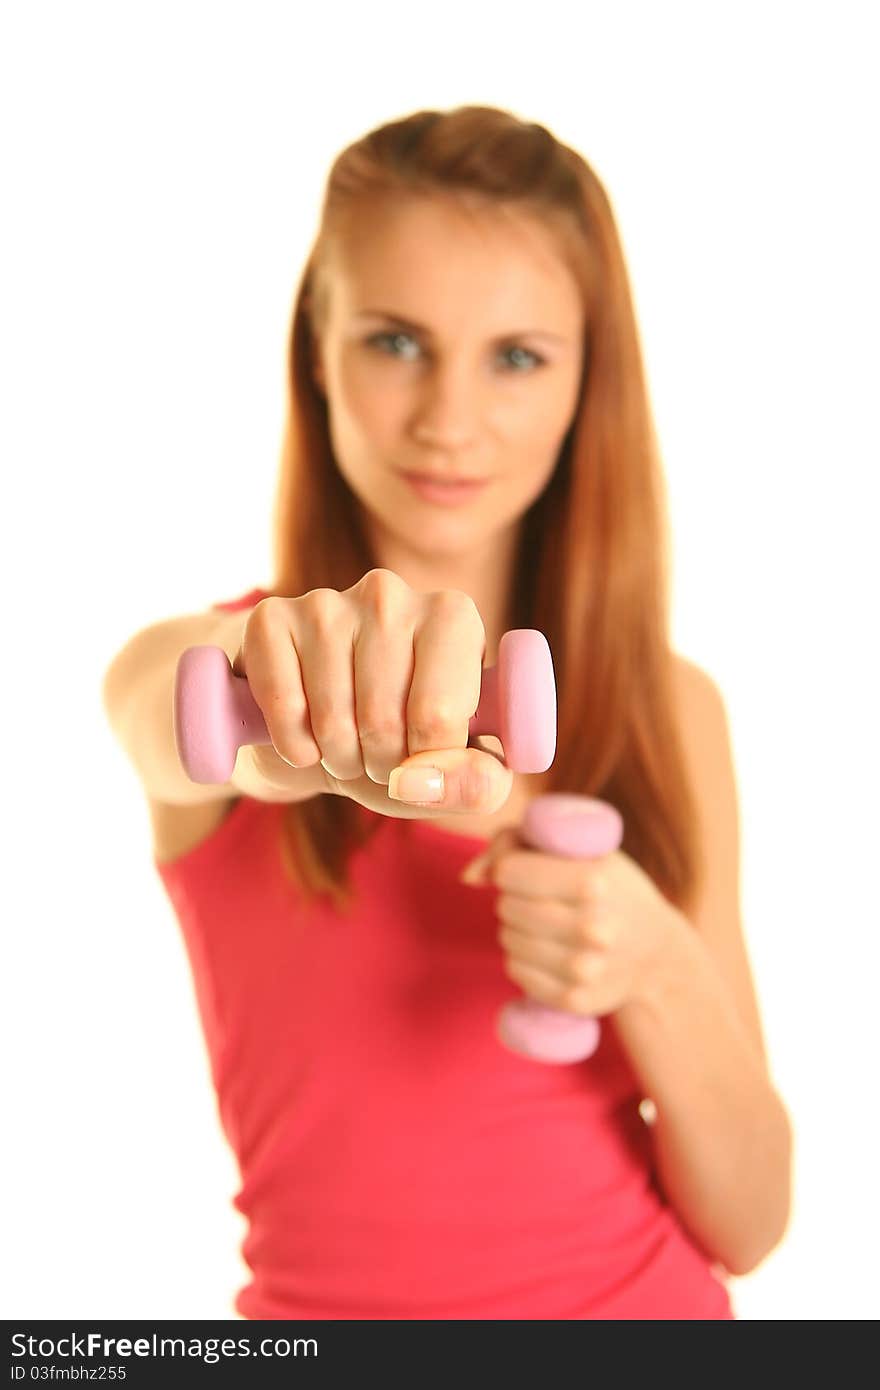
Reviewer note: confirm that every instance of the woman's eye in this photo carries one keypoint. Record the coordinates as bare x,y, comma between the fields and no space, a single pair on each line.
538,361
396,338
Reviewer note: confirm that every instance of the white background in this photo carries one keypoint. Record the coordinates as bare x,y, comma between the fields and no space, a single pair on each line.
162,171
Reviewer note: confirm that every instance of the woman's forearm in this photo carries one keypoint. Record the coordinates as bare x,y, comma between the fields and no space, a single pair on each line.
721,1135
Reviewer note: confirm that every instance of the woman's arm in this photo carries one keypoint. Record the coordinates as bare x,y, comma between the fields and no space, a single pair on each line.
138,698
721,1135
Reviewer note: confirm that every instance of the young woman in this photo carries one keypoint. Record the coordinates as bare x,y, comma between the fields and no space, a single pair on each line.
469,449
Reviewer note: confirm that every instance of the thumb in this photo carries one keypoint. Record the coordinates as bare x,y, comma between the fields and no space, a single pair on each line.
469,780
479,872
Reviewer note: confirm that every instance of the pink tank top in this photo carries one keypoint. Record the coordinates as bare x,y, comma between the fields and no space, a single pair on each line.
396,1161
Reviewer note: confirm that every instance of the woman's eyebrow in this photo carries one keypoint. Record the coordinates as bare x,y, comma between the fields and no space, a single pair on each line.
422,328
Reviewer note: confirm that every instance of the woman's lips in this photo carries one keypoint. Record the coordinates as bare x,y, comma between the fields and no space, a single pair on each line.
444,494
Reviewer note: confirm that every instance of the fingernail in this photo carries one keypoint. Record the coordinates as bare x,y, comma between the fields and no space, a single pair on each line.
416,784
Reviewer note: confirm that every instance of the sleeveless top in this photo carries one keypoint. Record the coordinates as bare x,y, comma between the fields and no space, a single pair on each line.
396,1160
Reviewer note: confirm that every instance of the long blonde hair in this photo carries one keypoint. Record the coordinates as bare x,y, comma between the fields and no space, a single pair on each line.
592,571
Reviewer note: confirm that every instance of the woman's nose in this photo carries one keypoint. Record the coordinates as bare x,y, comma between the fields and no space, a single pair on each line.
448,411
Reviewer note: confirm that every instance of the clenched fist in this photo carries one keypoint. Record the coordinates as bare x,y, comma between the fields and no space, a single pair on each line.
377,684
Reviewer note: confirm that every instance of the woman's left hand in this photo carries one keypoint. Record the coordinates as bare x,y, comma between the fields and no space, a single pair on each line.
584,935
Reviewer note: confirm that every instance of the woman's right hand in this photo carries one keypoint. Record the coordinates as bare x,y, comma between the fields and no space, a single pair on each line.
369,679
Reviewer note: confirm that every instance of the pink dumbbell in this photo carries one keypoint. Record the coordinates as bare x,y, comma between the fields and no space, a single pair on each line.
578,827
215,714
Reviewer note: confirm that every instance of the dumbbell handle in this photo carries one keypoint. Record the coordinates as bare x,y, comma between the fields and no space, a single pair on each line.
215,712
577,827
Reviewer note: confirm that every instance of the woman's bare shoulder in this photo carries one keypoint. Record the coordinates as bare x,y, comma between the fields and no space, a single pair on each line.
692,680
179,829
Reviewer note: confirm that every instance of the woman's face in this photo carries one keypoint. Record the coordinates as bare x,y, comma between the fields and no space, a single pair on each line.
486,387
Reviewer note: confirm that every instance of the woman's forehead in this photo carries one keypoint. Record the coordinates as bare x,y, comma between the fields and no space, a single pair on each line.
406,260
